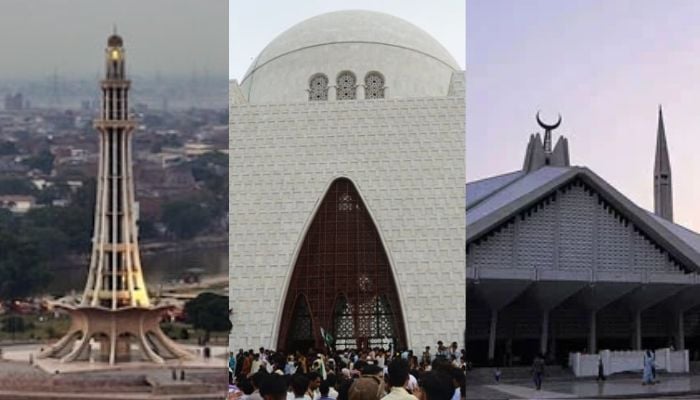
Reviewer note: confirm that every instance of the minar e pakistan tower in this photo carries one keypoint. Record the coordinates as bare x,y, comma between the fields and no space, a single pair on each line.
115,311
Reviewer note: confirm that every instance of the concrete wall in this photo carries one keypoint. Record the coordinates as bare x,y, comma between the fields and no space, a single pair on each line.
626,361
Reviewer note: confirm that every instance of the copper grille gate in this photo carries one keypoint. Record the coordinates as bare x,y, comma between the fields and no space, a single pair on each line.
342,281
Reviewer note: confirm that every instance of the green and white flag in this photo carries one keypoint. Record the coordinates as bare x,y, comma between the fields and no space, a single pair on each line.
327,337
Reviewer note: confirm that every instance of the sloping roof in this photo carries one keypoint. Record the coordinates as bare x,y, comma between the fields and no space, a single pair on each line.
683,233
502,190
478,190
493,201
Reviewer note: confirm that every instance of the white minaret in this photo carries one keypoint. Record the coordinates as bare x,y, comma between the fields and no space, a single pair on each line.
115,278
115,311
663,193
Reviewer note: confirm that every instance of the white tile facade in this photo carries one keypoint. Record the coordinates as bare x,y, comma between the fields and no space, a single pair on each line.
591,237
405,156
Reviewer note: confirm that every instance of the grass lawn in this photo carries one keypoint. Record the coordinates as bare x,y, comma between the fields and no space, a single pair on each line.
37,327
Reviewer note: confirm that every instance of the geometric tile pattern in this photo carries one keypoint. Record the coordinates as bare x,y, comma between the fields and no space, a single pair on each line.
406,158
572,230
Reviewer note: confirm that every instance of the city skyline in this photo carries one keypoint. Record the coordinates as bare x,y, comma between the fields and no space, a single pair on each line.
606,73
183,27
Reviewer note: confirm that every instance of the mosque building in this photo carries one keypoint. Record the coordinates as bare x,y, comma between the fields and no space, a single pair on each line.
560,261
347,189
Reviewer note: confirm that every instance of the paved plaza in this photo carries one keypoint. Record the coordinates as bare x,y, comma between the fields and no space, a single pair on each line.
682,386
22,354
202,379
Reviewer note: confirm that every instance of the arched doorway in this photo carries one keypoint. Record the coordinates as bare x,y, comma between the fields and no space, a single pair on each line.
344,274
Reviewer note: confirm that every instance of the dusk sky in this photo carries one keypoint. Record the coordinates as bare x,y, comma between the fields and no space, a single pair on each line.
605,66
248,35
173,37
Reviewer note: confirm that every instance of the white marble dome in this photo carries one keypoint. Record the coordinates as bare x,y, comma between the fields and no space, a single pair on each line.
411,61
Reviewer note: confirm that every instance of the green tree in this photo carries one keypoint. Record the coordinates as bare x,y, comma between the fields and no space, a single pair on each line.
85,196
42,161
8,148
13,323
16,186
211,169
51,242
147,229
8,221
209,312
51,193
74,221
185,218
22,270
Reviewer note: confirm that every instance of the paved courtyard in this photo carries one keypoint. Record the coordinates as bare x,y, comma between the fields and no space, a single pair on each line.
23,353
686,386
203,378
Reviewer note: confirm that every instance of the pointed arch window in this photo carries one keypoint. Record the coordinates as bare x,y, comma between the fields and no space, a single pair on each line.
374,86
343,272
301,329
318,87
346,87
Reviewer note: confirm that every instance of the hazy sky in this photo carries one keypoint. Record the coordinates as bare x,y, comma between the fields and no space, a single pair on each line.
605,66
68,36
249,33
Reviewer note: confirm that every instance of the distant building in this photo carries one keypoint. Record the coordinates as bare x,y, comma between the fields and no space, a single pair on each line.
14,102
18,204
193,150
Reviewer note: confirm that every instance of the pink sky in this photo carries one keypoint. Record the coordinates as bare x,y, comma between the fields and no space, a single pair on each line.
605,66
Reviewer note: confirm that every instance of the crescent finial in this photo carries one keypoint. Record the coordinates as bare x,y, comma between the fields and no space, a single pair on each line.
545,126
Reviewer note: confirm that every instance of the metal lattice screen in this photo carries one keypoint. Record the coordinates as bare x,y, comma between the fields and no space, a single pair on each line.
344,274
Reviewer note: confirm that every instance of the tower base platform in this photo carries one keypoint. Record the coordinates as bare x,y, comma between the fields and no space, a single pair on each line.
126,335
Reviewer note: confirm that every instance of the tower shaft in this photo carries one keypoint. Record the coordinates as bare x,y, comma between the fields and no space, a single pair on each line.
663,190
115,278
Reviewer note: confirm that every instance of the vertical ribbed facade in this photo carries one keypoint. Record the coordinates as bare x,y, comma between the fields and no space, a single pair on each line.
115,278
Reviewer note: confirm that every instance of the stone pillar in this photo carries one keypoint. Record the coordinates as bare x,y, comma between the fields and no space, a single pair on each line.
637,330
680,333
544,335
360,94
592,339
492,335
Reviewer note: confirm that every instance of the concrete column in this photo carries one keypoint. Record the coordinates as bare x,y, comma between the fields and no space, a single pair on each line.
592,339
492,334
680,333
638,330
544,335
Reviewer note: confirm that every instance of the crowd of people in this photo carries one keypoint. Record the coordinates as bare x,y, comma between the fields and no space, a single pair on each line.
372,374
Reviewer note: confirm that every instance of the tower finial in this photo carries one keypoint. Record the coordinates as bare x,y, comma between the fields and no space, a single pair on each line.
547,132
540,154
114,28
